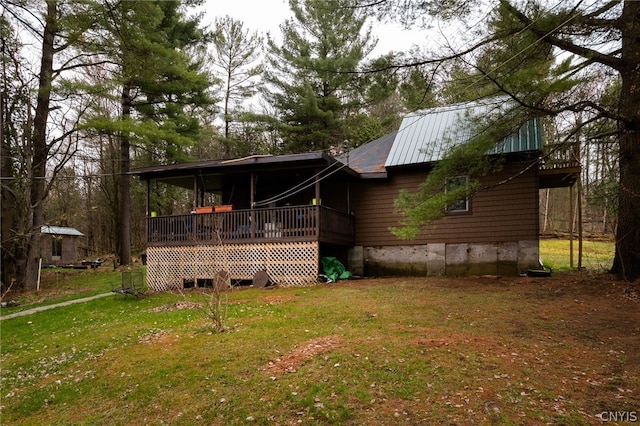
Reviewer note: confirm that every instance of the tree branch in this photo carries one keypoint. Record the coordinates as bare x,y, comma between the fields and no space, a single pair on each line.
605,8
427,61
547,36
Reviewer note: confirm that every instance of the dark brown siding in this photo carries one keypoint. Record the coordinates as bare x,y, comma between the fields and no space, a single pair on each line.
46,247
508,212
69,249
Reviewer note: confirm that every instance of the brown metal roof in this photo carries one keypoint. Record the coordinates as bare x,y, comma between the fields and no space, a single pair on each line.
369,159
254,162
211,171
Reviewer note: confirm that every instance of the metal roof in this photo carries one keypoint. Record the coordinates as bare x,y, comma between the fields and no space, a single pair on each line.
61,230
253,162
211,171
369,159
426,136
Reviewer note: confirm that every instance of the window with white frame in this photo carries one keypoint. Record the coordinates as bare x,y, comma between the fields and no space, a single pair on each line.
452,184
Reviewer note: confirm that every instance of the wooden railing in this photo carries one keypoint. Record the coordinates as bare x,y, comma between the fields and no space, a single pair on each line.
294,223
560,156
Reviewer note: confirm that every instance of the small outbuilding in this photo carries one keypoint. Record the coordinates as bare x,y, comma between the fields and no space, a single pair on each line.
60,244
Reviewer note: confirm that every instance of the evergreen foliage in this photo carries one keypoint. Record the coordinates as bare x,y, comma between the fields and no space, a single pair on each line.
312,75
157,55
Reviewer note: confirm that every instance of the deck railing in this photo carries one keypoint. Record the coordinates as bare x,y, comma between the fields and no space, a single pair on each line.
560,156
292,223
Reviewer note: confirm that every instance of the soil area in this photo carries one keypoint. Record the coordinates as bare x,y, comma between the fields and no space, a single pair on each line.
290,362
594,298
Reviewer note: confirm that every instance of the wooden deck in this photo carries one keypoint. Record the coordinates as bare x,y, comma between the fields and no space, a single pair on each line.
560,166
281,224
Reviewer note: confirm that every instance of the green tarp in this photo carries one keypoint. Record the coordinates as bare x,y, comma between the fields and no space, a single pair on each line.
334,270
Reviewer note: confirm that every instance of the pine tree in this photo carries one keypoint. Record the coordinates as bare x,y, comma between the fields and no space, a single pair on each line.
312,74
159,84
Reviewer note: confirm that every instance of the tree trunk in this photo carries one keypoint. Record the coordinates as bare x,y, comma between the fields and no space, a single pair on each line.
626,262
124,213
7,206
40,150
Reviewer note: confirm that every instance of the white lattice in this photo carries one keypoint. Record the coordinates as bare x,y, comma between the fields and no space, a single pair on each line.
288,264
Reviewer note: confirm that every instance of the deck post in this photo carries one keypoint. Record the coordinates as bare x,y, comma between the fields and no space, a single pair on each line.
148,200
316,208
195,193
251,204
317,186
571,218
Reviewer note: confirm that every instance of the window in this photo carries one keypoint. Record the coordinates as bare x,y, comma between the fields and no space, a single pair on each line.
453,184
56,248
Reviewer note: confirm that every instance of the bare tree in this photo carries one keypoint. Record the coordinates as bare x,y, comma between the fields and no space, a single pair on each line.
235,53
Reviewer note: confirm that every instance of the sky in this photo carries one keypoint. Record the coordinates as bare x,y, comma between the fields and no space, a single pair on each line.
267,15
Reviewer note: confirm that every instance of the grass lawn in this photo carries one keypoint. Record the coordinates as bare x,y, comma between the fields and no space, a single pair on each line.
596,255
62,284
558,350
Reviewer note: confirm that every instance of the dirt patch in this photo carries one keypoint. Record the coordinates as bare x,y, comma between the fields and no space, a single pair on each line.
162,337
276,300
439,338
632,292
177,306
290,362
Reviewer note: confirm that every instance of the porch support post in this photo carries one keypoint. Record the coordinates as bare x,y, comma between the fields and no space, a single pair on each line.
252,190
148,201
195,193
252,186
317,206
317,187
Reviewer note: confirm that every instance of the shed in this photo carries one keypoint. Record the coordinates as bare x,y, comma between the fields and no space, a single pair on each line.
60,244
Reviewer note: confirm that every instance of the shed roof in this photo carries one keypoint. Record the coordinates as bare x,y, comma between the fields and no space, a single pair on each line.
61,230
426,136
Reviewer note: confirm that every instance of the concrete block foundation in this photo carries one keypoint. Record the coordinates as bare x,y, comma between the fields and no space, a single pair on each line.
438,259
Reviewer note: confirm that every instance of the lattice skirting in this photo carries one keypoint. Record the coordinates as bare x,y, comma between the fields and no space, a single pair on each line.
287,264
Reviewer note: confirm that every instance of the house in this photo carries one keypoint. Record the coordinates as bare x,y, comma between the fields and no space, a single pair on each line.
280,214
60,244
493,232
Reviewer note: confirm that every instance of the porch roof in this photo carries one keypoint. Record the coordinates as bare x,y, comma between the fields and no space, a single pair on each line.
182,174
